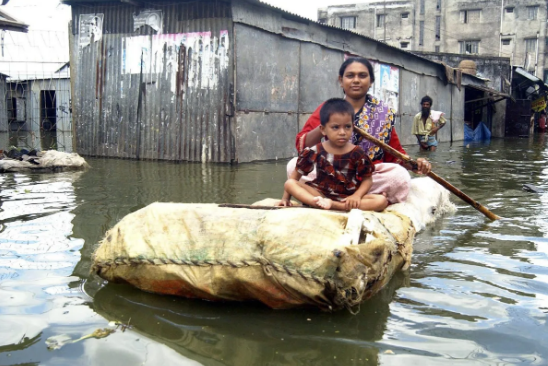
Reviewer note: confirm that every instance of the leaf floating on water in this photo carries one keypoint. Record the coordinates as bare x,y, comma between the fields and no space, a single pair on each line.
59,341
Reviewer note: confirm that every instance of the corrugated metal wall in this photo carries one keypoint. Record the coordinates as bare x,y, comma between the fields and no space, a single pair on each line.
4,127
177,106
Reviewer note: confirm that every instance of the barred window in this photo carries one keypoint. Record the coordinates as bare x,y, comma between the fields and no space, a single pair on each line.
348,22
470,16
380,20
532,12
531,45
421,33
469,47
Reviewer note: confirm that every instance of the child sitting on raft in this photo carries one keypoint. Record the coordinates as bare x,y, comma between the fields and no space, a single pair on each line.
344,171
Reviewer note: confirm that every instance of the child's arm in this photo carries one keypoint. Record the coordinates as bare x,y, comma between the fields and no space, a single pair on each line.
286,198
354,200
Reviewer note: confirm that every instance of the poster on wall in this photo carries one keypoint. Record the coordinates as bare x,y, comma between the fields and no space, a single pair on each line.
206,56
387,83
152,18
90,28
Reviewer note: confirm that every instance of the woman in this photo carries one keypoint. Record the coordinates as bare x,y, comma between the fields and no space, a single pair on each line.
374,116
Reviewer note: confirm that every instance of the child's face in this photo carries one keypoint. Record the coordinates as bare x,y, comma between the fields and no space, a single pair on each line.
338,129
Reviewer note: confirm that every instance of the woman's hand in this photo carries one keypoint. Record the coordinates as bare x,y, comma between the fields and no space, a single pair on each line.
351,202
423,166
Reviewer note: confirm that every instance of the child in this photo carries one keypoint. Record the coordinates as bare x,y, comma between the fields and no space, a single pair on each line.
343,169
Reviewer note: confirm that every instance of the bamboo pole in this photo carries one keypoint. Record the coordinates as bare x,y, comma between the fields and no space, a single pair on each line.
457,192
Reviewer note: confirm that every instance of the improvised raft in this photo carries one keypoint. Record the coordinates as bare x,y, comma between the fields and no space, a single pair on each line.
290,257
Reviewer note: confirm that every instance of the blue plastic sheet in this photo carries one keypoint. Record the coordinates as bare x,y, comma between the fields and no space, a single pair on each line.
480,133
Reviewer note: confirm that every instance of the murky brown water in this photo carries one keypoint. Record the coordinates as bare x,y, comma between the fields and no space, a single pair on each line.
477,292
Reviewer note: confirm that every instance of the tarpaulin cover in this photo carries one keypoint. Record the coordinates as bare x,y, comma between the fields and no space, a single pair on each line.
282,257
480,133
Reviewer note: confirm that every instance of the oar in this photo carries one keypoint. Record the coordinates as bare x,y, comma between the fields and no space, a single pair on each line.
457,192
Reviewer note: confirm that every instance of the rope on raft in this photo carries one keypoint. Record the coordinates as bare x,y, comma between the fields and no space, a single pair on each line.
342,297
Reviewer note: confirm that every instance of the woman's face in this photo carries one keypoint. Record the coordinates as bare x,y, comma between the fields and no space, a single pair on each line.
355,80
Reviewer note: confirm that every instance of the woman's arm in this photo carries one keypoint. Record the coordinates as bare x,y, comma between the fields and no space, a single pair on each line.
310,135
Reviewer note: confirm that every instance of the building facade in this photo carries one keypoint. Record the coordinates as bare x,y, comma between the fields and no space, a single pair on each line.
227,80
515,29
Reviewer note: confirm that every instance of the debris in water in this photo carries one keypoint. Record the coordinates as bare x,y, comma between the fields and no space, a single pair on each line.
532,188
60,340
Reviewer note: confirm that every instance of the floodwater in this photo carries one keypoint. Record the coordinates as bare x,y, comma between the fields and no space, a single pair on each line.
476,294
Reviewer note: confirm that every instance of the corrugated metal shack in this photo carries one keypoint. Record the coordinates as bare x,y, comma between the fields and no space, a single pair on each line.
39,112
225,80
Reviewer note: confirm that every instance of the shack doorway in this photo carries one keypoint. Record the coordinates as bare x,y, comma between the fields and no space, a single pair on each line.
48,120
474,101
518,117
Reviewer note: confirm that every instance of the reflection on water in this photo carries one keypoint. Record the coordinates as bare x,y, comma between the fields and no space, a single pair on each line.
477,292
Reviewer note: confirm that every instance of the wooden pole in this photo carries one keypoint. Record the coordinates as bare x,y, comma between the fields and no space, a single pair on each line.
457,192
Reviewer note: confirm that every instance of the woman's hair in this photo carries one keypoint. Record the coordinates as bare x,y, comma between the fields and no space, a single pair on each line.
362,61
335,105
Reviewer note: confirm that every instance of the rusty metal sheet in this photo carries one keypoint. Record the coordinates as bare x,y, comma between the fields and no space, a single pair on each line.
267,71
149,93
265,136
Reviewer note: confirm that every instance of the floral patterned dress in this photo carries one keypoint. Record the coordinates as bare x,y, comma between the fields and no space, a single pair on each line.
338,176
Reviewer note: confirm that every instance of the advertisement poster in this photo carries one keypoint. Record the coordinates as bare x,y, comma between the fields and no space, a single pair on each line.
91,28
206,56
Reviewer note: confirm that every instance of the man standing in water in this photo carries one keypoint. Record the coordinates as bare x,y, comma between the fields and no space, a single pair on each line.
426,124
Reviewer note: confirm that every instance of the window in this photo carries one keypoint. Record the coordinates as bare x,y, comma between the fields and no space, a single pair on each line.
545,76
532,12
404,15
469,47
531,45
380,20
438,27
506,42
437,49
12,108
422,6
438,5
404,44
509,10
421,33
348,22
470,16
322,21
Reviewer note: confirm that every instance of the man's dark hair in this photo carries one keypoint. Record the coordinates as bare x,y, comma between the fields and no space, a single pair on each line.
425,99
335,105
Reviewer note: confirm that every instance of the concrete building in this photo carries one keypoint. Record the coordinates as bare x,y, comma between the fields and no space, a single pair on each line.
504,28
227,80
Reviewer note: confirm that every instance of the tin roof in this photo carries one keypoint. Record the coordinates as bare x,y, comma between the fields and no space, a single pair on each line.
9,23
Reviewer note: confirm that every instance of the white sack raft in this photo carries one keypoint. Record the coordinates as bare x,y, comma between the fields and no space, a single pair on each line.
49,160
284,258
